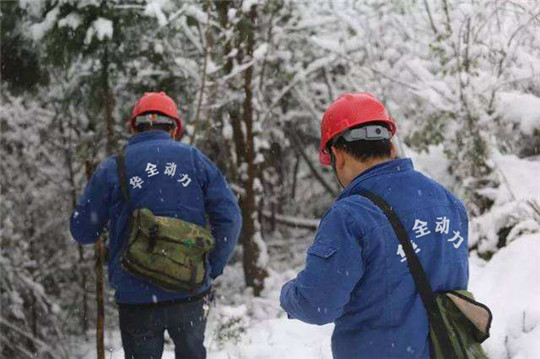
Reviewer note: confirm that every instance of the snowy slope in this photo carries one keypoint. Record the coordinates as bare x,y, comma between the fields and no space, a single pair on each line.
510,285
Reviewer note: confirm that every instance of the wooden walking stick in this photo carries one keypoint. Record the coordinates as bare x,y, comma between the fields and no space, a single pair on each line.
99,250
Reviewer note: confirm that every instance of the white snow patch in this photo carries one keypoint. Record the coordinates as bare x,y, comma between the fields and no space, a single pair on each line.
155,9
104,28
261,51
197,13
211,67
509,284
247,4
37,31
521,176
281,338
326,43
227,130
158,48
73,21
433,163
231,14
101,28
262,261
32,6
521,108
314,22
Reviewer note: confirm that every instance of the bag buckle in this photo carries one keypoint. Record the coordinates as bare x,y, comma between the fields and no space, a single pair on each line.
152,237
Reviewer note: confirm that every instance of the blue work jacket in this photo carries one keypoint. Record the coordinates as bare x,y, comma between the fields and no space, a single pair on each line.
356,272
171,179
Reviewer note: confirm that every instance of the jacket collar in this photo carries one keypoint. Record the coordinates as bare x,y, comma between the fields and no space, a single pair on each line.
392,166
149,136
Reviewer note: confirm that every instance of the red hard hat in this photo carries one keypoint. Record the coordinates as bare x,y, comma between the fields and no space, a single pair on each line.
348,111
157,102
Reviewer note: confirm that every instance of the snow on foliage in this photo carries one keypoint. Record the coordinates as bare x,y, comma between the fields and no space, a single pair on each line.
39,30
32,244
72,21
154,9
520,109
100,28
513,211
260,52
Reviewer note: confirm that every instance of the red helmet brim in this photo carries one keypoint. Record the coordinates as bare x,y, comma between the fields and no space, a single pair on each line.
324,158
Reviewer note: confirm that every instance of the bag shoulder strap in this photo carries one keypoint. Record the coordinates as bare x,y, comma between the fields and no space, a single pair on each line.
417,271
122,177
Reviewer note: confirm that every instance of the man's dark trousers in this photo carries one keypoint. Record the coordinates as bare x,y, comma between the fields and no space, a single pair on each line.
142,327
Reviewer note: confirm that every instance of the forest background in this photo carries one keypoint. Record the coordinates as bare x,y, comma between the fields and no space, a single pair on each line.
252,79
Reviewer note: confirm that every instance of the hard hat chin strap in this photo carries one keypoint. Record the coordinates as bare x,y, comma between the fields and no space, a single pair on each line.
334,171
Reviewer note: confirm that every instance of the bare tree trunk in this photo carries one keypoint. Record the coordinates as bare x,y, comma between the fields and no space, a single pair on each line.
254,273
244,146
447,14
430,17
295,177
73,192
208,36
107,103
222,8
238,137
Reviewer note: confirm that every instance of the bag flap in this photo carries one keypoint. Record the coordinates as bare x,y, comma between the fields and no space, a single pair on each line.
144,219
174,229
478,313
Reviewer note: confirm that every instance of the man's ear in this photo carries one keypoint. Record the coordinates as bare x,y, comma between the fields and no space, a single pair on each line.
393,152
173,133
339,157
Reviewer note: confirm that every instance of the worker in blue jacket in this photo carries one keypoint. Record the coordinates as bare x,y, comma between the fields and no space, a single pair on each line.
356,273
173,180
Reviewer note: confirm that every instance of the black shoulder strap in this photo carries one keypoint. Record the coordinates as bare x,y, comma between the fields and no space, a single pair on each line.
122,177
417,271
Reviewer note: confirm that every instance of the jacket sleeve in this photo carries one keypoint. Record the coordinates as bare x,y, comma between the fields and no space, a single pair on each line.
92,211
334,265
223,212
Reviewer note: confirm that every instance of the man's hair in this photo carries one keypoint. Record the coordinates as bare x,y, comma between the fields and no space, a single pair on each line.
158,126
364,150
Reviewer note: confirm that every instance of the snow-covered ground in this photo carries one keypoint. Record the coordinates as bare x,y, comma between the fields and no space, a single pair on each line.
510,285
241,326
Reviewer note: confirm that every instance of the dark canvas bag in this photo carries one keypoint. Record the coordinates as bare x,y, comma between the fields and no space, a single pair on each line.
457,323
167,252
